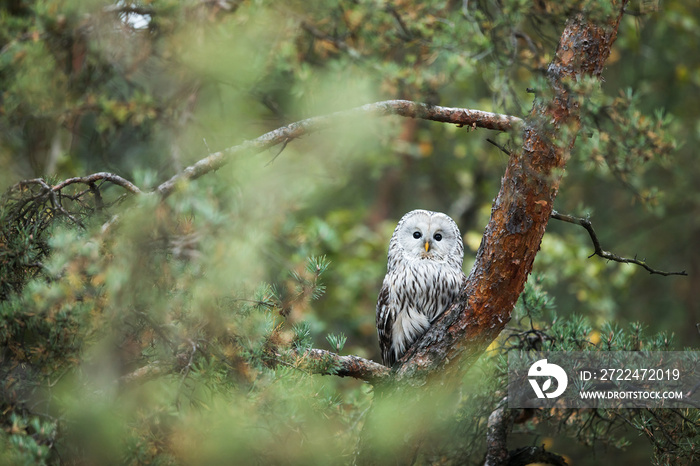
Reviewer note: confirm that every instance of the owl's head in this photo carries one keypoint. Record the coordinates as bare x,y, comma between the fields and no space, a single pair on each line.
422,234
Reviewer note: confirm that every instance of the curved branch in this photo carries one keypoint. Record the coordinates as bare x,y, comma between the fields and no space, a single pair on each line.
599,251
405,108
89,179
462,117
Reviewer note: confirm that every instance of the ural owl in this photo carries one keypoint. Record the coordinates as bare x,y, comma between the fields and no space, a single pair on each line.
424,277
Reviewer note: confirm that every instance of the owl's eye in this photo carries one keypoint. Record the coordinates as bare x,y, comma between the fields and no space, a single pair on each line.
416,234
437,236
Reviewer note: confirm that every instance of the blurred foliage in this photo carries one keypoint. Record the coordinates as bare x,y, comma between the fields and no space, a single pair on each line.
137,330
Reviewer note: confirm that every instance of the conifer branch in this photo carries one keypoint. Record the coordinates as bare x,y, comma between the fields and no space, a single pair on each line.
348,366
314,361
599,251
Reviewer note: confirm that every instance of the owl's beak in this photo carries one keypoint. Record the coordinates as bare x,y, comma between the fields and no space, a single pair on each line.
427,246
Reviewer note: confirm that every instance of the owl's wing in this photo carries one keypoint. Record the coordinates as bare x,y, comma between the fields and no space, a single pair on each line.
385,321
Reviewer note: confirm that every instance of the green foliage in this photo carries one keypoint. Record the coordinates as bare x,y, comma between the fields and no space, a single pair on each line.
101,312
27,441
624,140
336,341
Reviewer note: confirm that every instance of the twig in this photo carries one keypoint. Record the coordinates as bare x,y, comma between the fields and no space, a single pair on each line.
598,250
404,33
52,195
284,146
503,149
185,373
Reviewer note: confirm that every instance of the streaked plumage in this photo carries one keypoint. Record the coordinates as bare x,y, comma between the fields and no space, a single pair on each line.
424,277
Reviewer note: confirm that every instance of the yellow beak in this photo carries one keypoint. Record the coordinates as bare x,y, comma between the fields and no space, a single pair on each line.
427,246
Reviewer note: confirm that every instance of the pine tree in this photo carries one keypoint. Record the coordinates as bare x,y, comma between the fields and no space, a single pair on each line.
207,294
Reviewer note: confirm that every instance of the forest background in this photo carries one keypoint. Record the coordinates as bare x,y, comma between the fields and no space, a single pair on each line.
285,249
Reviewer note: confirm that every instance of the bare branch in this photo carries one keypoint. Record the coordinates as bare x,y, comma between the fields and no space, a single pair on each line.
48,192
405,108
599,251
501,147
54,194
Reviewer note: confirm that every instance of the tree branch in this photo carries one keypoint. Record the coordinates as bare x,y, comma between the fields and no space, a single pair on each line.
315,361
347,366
148,372
598,250
405,108
499,423
112,178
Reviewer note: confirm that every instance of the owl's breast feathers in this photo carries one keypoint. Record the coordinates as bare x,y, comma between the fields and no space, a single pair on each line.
413,295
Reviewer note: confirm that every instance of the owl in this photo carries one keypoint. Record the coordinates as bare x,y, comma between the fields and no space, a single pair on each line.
424,277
